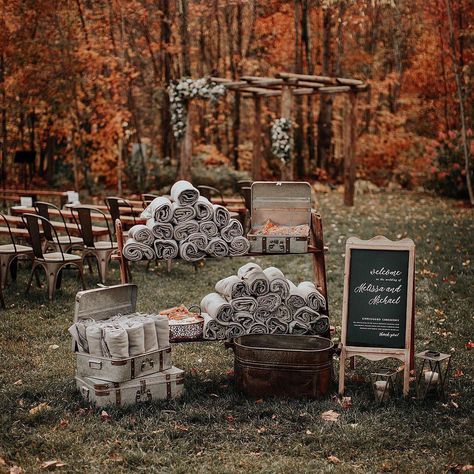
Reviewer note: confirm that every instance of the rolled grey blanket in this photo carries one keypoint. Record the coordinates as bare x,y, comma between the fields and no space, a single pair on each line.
244,318
221,216
239,246
257,328
232,287
306,315
184,229
321,325
257,282
162,327
190,252
248,267
141,233
136,337
209,229
182,213
234,330
313,297
244,303
297,327
269,302
278,283
116,340
166,249
160,230
199,239
159,209
217,247
217,307
275,326
232,229
204,209
135,251
295,299
262,315
184,193
283,313
213,330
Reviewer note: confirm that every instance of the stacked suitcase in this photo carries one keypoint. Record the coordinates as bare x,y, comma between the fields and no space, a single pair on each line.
106,381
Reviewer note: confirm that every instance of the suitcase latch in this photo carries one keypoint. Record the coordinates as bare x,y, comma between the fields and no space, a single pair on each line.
146,362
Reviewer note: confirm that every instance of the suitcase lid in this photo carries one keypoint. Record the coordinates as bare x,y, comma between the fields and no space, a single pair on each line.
102,303
284,202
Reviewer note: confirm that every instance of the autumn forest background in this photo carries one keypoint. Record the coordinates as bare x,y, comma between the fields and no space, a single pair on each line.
84,83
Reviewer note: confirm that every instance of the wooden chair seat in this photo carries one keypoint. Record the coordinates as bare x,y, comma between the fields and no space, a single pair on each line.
9,248
104,245
57,257
16,232
65,239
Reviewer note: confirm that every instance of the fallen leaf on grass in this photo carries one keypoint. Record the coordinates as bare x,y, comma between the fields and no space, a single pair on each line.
467,467
104,416
18,382
458,373
53,347
230,372
261,430
181,428
230,419
334,460
39,408
469,345
116,457
346,402
16,470
214,395
330,415
63,423
309,432
55,463
259,401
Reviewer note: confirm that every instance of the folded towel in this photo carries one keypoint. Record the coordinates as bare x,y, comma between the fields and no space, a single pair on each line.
283,313
320,325
160,230
149,330
296,299
182,213
221,216
217,247
213,330
234,330
94,334
204,209
190,252
217,307
269,302
209,229
136,337
199,239
166,249
248,267
244,303
135,251
244,318
313,297
306,315
298,327
257,328
232,287
116,340
257,282
239,246
278,283
262,315
159,209
276,326
184,229
141,233
162,327
184,193
232,229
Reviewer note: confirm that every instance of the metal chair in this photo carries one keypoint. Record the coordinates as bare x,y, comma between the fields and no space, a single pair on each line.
67,242
52,263
102,250
244,183
9,253
147,198
113,205
209,192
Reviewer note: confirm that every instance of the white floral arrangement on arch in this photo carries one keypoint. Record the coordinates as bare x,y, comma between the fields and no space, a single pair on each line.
183,90
282,140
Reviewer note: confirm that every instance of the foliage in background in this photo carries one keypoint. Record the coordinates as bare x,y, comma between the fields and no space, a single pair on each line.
282,140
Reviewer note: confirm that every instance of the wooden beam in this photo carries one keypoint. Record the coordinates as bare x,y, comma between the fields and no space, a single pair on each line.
257,139
350,126
306,91
265,82
315,85
349,82
306,77
333,90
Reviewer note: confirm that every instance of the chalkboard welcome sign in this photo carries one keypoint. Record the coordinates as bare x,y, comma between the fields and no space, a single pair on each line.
378,300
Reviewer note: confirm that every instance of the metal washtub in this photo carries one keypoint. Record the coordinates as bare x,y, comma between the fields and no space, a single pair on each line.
283,365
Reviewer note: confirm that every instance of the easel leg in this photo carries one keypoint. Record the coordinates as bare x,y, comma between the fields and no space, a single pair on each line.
342,370
406,378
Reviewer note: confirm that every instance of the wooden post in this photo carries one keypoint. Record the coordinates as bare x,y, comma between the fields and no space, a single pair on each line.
119,166
287,173
257,138
186,148
350,132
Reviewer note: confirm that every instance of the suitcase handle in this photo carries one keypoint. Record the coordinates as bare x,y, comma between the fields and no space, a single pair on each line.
95,364
150,362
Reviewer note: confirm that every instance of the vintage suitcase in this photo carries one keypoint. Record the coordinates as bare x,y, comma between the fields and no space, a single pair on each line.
284,204
159,386
102,303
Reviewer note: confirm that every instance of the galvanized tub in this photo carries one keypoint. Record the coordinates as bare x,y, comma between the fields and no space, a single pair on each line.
283,365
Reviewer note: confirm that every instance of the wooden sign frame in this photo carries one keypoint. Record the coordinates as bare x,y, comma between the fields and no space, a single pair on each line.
378,353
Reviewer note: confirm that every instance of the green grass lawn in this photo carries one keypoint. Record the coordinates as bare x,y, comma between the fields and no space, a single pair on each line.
214,429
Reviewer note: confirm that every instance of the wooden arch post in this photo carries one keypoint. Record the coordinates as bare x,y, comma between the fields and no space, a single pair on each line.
350,140
186,148
287,169
257,139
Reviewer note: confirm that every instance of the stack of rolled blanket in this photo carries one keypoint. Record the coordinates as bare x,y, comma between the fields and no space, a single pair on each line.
121,336
257,301
185,224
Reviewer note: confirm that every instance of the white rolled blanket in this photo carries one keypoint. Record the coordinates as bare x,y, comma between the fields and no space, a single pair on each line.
244,318
94,334
298,327
184,229
190,252
204,209
244,303
320,326
221,216
232,287
162,327
217,247
182,213
283,313
248,267
136,337
239,246
257,328
232,229
166,249
295,299
184,193
269,302
209,229
136,251
278,283
116,339
234,330
141,233
276,326
217,307
199,239
306,315
159,209
213,330
313,297
160,230
149,330
257,282
262,315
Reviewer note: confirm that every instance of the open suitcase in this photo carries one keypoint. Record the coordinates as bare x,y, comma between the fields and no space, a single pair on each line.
160,386
102,303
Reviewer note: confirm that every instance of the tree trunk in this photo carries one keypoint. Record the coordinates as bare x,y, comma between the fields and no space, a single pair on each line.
184,33
256,139
185,149
287,169
350,139
298,67
4,166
